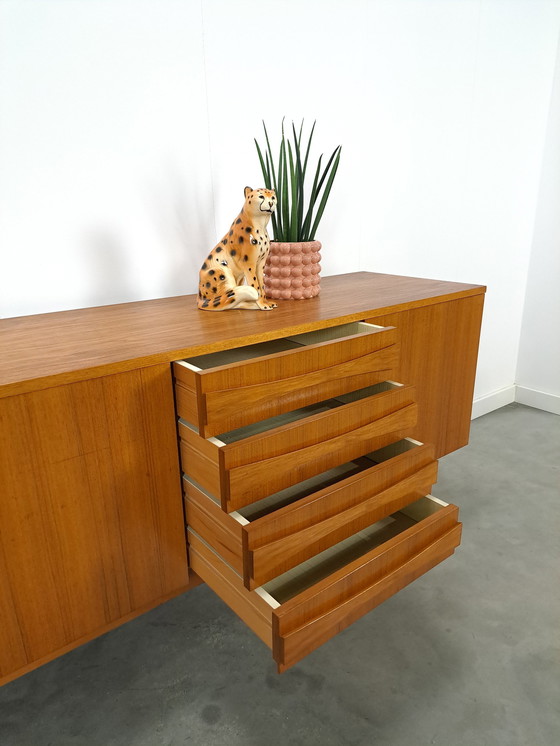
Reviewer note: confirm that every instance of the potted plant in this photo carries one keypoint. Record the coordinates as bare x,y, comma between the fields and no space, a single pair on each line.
292,269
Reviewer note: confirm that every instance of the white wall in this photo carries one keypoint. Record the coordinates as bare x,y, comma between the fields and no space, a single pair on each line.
105,183
472,113
538,372
126,138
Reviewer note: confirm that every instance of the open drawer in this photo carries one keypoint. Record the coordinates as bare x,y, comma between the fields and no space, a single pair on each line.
225,390
303,608
247,464
269,537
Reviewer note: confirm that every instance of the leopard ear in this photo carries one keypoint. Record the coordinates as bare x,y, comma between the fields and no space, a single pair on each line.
247,191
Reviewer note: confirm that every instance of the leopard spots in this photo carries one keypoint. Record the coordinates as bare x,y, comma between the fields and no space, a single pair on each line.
235,281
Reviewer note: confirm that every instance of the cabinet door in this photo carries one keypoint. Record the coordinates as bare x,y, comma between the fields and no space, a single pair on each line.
439,347
91,518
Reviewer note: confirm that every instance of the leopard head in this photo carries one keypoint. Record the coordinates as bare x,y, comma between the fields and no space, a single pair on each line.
260,202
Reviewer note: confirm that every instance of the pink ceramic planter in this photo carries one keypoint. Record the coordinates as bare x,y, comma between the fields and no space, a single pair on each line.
292,270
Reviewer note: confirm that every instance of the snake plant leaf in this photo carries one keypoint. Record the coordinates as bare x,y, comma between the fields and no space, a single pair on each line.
270,154
294,194
285,198
308,148
279,221
327,167
312,200
274,221
294,220
264,169
300,180
326,194
300,133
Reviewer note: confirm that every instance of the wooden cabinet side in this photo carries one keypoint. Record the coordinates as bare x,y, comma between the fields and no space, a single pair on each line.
91,518
439,349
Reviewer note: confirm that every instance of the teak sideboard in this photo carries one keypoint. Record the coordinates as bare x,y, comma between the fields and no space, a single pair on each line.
285,458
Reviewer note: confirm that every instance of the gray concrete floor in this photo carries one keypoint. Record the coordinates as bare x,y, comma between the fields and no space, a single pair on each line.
465,656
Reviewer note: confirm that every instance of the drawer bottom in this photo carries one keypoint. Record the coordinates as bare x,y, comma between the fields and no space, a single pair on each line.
298,611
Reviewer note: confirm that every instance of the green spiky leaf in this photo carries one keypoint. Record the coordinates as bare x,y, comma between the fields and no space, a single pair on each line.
294,220
326,194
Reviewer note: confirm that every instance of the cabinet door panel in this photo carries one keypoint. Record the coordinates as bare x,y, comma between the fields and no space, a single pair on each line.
91,520
439,347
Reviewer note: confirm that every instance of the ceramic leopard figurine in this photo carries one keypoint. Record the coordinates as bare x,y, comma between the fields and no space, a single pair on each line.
232,274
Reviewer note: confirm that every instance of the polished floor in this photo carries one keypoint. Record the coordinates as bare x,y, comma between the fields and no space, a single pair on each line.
468,655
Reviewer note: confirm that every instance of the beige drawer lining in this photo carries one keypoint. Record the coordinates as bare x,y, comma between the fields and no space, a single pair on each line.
261,349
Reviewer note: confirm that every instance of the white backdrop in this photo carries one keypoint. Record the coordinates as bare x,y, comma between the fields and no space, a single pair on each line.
538,373
126,138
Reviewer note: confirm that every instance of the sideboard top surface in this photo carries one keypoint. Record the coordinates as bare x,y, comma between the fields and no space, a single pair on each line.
45,350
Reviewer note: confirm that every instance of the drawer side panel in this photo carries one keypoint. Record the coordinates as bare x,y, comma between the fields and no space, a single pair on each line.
228,586
200,460
217,528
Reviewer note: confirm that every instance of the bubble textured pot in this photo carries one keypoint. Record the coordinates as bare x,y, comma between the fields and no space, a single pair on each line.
292,270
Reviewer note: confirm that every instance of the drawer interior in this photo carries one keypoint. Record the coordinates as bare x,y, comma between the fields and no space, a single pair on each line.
291,583
262,426
298,491
249,352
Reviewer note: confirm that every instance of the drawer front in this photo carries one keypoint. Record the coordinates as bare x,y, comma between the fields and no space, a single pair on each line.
295,626
286,529
311,618
242,472
230,396
286,537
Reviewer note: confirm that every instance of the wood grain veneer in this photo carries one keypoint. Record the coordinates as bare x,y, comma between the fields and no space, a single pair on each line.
314,616
91,521
215,526
230,396
285,538
91,517
255,612
439,348
56,348
309,618
248,482
244,471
